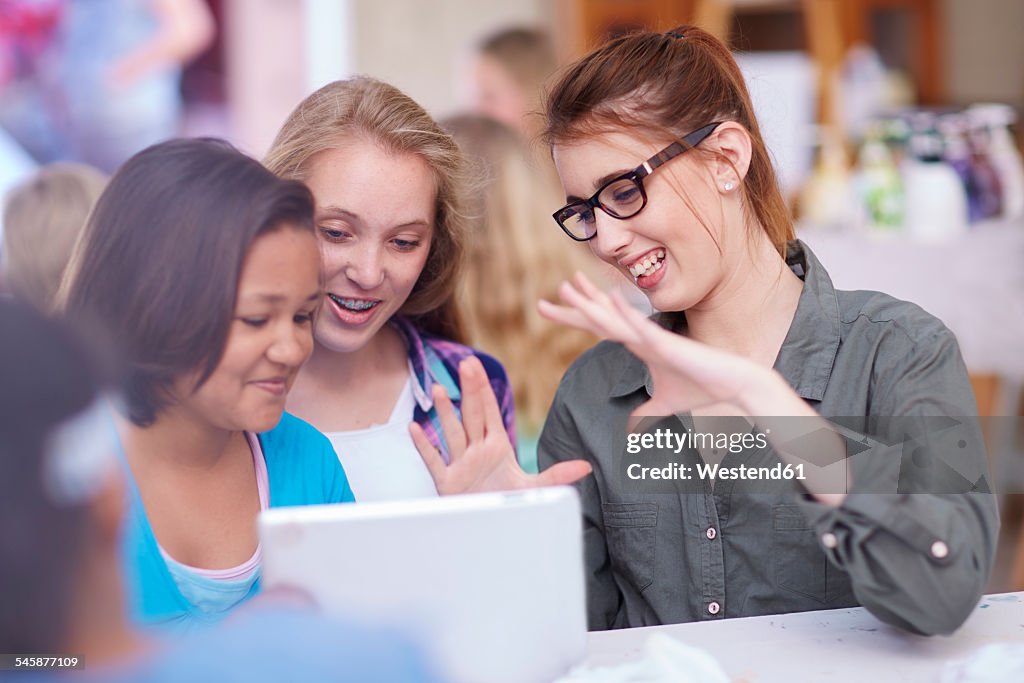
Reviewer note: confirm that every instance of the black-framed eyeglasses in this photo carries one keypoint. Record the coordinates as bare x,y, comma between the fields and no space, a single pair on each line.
623,196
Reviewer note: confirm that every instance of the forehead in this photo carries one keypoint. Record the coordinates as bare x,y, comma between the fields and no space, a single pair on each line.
362,177
582,164
285,260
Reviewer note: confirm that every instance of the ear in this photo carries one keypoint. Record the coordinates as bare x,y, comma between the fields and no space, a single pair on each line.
729,168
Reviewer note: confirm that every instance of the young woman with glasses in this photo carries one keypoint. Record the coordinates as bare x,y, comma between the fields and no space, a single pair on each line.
669,180
390,190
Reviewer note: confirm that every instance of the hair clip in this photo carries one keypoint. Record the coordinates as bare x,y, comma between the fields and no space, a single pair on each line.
675,34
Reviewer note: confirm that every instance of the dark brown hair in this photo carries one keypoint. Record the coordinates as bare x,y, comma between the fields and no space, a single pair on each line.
667,85
159,260
49,377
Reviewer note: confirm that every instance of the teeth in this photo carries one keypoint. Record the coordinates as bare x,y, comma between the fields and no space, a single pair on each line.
649,265
353,304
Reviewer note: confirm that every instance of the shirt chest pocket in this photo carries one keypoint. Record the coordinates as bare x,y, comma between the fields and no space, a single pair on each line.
799,562
631,533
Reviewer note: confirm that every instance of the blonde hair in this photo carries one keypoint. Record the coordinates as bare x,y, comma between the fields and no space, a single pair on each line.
516,256
43,218
364,106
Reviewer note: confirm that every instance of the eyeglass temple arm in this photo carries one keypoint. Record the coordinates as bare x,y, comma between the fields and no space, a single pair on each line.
675,149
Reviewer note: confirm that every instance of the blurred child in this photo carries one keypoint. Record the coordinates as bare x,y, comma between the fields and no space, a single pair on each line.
42,219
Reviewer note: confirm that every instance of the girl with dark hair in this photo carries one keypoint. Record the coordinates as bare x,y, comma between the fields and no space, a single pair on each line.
204,266
61,577
668,179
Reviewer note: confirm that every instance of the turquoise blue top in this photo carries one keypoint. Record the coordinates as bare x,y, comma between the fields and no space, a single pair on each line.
302,469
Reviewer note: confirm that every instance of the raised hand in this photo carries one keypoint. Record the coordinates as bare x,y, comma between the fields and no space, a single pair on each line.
481,457
687,375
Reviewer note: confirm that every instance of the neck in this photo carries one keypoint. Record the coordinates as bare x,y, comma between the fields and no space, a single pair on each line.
384,352
176,439
750,311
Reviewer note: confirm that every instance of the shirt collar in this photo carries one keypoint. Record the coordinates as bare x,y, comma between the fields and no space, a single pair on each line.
809,350
419,367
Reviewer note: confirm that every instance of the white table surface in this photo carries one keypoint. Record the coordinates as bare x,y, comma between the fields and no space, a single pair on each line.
830,645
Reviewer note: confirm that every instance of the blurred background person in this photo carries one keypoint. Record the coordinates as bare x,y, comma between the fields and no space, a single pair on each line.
96,81
513,259
63,493
43,217
508,74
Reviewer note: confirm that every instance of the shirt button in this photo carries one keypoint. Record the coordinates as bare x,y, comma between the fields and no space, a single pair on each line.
940,550
714,608
829,540
711,533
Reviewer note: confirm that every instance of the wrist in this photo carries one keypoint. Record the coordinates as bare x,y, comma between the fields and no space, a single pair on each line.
767,393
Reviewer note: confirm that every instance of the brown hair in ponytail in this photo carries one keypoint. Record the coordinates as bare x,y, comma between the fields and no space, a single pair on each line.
667,83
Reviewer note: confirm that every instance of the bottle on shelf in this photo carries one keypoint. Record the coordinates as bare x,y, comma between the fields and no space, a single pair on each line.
995,121
826,200
935,198
988,196
878,183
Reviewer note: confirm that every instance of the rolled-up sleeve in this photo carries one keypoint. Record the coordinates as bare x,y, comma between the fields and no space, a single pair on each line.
917,532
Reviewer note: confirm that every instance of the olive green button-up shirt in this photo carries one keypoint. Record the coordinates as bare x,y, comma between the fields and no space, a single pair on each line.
913,542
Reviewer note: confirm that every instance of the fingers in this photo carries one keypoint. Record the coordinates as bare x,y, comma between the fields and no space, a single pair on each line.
431,457
565,315
586,302
564,473
473,381
653,343
597,308
494,422
454,434
588,288
645,329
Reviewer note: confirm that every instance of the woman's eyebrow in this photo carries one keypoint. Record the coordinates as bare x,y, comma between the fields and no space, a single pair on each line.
601,181
337,210
275,298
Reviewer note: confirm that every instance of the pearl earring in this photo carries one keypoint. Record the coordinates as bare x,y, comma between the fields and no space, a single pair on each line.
727,187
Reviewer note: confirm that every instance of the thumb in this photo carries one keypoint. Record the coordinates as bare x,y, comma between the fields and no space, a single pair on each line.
564,473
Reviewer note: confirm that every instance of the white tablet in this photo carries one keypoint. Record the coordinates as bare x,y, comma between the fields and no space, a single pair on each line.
491,585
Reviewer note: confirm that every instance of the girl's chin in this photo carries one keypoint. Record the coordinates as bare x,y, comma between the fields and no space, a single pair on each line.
338,339
265,421
667,301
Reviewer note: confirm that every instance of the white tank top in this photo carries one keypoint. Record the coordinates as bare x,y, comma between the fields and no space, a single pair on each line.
381,461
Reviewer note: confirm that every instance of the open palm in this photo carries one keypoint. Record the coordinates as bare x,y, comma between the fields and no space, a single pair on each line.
481,455
687,375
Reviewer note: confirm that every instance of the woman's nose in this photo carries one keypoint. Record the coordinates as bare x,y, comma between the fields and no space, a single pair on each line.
364,267
292,345
612,237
